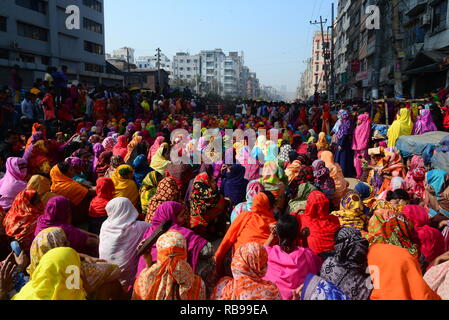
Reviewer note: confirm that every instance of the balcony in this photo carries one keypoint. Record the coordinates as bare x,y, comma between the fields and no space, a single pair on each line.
416,7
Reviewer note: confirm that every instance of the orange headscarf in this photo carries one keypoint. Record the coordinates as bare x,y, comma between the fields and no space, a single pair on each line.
336,173
253,226
36,128
66,187
171,278
397,275
132,145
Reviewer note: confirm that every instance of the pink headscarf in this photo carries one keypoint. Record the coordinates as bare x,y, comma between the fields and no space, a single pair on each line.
108,144
432,241
362,133
13,182
155,147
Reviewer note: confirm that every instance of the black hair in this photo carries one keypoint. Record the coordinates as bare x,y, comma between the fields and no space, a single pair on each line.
292,156
271,198
401,194
287,230
390,196
64,167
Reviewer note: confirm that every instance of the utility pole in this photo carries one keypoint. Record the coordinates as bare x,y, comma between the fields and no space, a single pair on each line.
127,61
321,23
159,68
332,88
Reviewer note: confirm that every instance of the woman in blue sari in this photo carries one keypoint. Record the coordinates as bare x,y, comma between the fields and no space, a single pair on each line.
344,155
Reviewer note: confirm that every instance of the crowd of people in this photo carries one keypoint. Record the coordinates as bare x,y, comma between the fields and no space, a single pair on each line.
94,184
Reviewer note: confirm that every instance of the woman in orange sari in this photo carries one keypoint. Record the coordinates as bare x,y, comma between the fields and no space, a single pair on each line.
394,167
171,277
397,275
253,226
249,267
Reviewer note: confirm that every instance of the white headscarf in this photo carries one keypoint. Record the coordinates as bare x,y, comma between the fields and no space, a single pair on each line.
120,235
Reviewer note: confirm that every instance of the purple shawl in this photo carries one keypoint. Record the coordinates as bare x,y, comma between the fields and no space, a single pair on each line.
424,123
13,182
98,150
168,212
57,214
345,126
234,185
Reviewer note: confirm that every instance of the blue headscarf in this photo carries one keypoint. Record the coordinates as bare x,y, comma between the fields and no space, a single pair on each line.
363,189
316,288
235,184
141,169
436,179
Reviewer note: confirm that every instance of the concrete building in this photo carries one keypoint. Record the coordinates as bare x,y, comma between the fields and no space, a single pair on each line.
186,67
150,62
34,36
124,53
147,79
231,78
212,70
318,60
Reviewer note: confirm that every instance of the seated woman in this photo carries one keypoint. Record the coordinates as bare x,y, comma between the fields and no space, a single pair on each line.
207,207
167,190
100,280
97,210
431,239
148,189
171,277
249,267
351,214
63,185
124,184
253,226
323,180
50,278
298,172
402,126
182,173
316,288
437,277
289,263
253,189
199,251
398,275
234,184
59,214
348,267
321,224
160,161
119,237
116,161
272,175
297,205
336,173
141,169
394,228
20,221
437,197
368,196
42,184
13,181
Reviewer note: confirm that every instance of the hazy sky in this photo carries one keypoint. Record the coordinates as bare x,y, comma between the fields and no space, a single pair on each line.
275,35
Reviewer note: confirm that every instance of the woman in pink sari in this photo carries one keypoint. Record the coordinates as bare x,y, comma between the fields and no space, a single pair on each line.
251,165
424,123
288,263
360,142
13,182
157,144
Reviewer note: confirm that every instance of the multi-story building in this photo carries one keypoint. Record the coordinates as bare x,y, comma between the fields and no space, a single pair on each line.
231,78
124,54
151,62
34,36
186,67
212,70
318,60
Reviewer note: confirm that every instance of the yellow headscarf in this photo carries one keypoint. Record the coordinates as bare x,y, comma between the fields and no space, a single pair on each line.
322,143
125,188
57,269
42,185
158,162
403,126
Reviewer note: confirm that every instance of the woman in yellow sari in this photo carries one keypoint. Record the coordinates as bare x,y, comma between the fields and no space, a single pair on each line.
403,126
99,279
49,280
42,185
160,161
149,188
322,143
124,184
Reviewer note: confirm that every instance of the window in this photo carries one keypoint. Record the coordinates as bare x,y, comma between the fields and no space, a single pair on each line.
4,54
189,69
93,4
188,61
94,67
35,5
3,25
317,56
32,32
45,60
181,76
181,69
439,15
181,61
317,67
27,58
318,45
93,47
92,25
189,76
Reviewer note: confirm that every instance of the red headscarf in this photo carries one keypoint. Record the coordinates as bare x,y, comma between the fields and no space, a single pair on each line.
322,225
121,148
431,239
105,193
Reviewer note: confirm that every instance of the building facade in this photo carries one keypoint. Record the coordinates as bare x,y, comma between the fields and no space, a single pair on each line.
186,67
34,36
124,53
151,62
